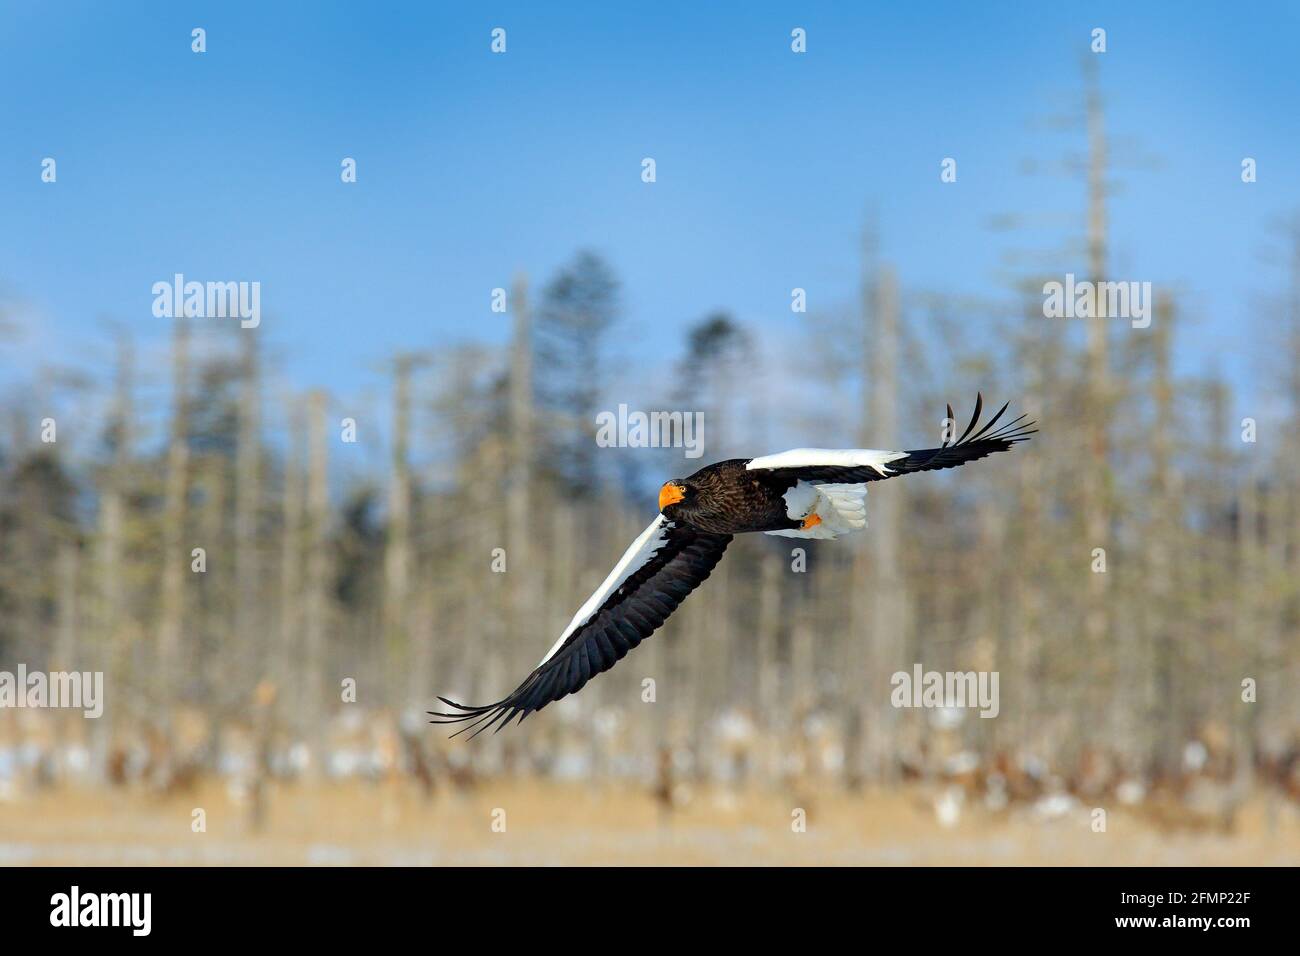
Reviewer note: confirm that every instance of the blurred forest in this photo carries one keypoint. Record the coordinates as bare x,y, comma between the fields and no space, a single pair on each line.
1119,689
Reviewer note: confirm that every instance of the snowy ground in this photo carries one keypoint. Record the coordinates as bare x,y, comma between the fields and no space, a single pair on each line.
548,824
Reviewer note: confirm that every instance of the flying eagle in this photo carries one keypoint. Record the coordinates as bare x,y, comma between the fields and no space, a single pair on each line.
803,493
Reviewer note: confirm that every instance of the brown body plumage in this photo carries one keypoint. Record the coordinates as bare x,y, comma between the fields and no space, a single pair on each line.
725,498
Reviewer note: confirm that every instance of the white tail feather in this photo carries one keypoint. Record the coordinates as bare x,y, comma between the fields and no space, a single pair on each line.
841,508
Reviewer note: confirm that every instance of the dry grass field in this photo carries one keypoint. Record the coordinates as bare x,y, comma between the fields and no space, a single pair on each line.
560,824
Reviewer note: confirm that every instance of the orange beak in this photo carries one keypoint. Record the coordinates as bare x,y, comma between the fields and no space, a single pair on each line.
670,494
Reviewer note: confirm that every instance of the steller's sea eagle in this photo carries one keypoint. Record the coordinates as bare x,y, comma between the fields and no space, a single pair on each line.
803,493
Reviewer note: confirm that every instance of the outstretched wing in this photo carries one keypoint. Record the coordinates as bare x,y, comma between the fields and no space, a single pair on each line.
850,466
663,565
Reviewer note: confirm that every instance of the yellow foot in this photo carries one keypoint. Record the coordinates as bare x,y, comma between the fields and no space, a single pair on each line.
811,521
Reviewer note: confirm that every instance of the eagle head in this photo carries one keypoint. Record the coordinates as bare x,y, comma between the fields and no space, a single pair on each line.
673,493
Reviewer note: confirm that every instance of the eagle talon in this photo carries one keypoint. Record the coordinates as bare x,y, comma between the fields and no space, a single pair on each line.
811,521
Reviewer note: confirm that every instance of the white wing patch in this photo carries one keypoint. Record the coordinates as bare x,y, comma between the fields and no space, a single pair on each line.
828,457
635,558
842,508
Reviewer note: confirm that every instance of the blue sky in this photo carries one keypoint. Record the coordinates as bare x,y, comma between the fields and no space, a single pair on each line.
471,165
